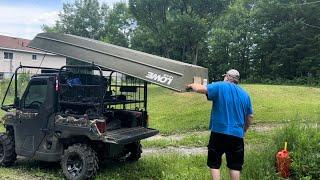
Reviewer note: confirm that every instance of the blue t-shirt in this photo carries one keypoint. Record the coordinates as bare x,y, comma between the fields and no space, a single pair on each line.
230,107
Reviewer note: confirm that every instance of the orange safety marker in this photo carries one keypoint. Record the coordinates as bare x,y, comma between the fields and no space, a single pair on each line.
283,162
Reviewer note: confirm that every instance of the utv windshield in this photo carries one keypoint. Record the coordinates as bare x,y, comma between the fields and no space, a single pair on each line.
35,95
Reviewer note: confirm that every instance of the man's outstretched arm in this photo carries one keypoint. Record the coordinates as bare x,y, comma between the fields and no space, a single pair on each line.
199,88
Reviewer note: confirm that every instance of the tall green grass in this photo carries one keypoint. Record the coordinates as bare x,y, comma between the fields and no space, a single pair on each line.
304,147
166,166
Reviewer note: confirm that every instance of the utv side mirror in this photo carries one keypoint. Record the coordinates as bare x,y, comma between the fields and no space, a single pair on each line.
16,102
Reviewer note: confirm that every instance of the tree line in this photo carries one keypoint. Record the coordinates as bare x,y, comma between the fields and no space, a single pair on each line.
266,40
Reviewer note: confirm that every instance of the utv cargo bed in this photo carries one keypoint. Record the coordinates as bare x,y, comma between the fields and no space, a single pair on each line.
165,72
117,136
128,135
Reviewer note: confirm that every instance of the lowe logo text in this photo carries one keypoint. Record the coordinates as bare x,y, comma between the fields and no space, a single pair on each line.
165,79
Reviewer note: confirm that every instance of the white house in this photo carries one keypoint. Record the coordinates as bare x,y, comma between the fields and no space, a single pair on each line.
14,51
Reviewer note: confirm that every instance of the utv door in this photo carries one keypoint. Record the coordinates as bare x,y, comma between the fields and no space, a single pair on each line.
36,106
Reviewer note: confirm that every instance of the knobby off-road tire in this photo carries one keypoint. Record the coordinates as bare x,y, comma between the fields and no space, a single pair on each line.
135,150
79,162
7,152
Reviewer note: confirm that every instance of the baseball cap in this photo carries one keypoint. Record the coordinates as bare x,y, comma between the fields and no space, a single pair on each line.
233,73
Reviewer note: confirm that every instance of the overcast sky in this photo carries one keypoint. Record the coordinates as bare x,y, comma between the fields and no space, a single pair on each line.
24,18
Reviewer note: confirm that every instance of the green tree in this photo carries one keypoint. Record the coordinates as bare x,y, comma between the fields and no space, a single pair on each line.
286,41
83,18
267,40
151,16
118,25
87,18
230,40
177,28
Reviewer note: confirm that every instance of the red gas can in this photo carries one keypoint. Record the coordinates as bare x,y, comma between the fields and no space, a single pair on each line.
283,162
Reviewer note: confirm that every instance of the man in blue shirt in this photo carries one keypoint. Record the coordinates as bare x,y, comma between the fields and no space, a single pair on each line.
231,116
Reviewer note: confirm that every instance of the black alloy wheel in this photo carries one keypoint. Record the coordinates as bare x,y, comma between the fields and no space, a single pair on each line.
79,162
74,165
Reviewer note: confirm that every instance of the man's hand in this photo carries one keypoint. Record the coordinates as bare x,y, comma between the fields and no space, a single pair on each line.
199,88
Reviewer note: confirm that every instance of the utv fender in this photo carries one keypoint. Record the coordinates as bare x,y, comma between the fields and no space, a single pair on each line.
68,132
74,140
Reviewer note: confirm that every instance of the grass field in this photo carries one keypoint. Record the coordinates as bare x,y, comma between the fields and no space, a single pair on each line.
173,112
187,114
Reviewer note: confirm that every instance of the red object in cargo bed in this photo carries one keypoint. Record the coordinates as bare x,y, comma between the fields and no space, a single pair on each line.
283,162
101,125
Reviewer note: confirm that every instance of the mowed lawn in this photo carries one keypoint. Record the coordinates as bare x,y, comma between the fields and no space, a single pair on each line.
173,112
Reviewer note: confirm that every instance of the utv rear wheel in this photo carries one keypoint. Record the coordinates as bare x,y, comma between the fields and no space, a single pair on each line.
7,151
135,150
79,162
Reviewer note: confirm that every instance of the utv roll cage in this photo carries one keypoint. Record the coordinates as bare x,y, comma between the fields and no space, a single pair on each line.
89,89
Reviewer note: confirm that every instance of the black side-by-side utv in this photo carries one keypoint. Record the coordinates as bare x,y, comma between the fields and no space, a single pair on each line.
81,115
78,115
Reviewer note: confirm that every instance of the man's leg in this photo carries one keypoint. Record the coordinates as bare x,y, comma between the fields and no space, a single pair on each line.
234,174
214,155
235,157
215,174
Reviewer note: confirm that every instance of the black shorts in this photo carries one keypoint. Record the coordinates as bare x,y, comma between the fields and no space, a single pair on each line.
231,145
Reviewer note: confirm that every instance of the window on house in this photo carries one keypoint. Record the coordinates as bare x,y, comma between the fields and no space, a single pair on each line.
8,55
1,75
34,57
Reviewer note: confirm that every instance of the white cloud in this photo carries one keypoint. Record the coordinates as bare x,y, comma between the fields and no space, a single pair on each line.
111,2
27,15
25,22
48,18
26,31
108,2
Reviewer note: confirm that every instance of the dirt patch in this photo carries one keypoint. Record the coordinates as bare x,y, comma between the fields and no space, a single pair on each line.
177,137
189,150
264,127
200,150
177,150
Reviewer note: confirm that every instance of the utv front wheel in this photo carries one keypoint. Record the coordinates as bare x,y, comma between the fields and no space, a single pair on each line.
7,151
79,162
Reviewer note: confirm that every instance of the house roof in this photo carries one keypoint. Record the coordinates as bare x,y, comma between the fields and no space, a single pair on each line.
16,44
